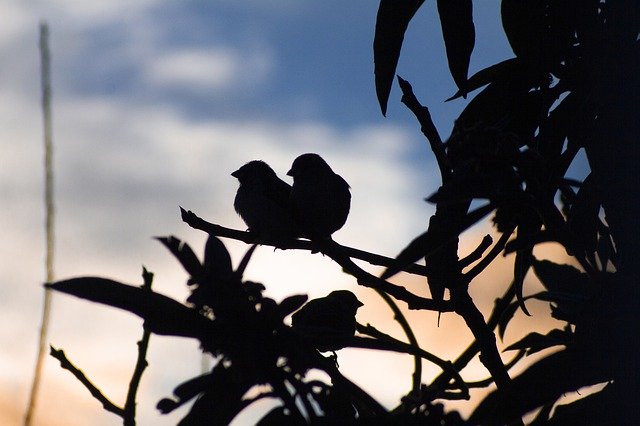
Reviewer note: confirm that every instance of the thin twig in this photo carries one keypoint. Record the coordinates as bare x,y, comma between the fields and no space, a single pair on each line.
413,342
129,412
426,125
490,257
399,346
45,58
67,365
477,253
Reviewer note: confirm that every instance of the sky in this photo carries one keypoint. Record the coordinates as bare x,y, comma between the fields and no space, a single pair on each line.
155,103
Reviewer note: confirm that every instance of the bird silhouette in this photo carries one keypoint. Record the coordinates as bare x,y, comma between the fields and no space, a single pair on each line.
320,199
263,202
328,323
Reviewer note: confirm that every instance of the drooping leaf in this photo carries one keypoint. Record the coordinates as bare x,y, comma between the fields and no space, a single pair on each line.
528,242
458,31
245,261
568,289
391,23
524,26
506,317
161,314
541,383
535,342
291,304
560,278
554,131
185,392
528,226
521,267
183,252
601,408
488,75
221,401
606,250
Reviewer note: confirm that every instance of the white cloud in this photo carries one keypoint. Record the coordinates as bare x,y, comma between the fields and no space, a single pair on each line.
207,69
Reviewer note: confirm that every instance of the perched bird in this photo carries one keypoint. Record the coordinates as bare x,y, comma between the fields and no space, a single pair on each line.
328,323
320,199
263,202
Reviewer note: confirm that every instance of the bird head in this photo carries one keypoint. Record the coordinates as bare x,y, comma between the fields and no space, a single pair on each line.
252,171
307,162
346,299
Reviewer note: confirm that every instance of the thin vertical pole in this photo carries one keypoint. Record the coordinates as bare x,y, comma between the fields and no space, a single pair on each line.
45,64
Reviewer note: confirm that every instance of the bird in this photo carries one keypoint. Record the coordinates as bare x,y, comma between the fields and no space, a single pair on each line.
329,322
263,202
320,199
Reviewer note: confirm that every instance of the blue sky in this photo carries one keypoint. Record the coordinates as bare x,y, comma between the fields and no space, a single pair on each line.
155,103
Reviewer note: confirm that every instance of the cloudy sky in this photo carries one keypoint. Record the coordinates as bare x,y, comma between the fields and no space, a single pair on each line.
154,105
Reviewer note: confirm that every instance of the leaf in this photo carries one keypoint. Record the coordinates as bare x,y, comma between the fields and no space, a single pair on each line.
506,317
568,288
221,401
520,269
291,304
523,23
541,383
488,75
601,408
162,315
606,251
391,23
456,19
185,392
535,342
183,253
528,226
217,261
529,241
245,261
504,103
560,278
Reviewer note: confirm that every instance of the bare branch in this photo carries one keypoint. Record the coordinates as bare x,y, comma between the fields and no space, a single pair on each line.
340,254
67,365
196,222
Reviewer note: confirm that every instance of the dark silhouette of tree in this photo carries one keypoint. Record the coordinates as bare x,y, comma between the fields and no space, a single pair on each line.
573,83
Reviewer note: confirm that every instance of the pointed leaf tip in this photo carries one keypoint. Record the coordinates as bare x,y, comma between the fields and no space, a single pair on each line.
458,30
391,23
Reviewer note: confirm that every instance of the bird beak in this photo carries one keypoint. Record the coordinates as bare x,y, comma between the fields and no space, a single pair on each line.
235,174
290,172
360,304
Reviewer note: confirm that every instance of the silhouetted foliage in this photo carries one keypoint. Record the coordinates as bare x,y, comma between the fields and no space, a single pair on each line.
573,85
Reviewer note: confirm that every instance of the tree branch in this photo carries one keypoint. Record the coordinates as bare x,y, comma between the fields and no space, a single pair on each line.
426,126
95,392
340,254
196,222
